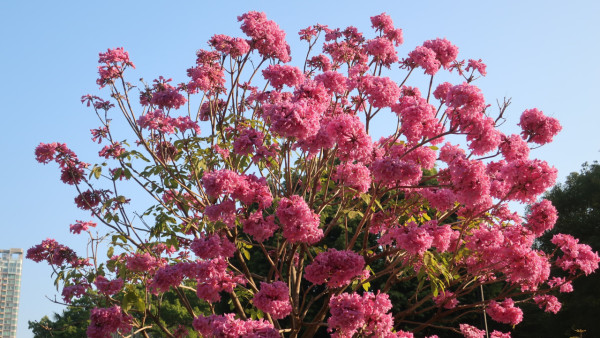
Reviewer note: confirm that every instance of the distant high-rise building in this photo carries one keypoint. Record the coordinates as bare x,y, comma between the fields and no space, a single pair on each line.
10,286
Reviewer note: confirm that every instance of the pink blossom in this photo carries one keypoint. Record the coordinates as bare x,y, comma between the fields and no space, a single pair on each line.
142,262
537,127
234,47
228,327
354,144
207,76
220,182
466,98
336,268
548,303
299,119
355,176
575,256
382,22
112,151
381,91
212,246
505,312
80,226
308,33
113,63
445,52
382,51
470,182
162,95
498,334
441,91
446,299
565,286
260,228
222,212
413,239
106,321
542,217
334,82
393,172
321,62
212,278
251,189
417,119
76,290
44,152
469,331
440,199
425,58
351,312
52,252
280,75
89,199
477,65
513,148
266,36
299,222
528,178
108,287
273,299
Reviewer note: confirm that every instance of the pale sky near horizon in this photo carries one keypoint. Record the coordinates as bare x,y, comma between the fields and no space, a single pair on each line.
540,53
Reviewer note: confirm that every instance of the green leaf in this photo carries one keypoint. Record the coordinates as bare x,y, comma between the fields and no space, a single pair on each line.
110,252
366,286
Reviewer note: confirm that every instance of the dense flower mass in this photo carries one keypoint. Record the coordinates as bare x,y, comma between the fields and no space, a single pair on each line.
299,223
284,217
274,299
336,268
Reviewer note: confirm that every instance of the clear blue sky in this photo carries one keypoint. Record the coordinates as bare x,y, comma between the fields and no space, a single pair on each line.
543,54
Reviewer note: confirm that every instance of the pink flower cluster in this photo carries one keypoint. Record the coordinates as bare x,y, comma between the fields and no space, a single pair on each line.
336,268
143,262
212,246
368,313
542,217
446,299
548,303
433,55
80,226
234,47
158,121
413,239
72,170
227,326
417,119
246,188
266,36
280,75
273,299
300,224
258,227
537,127
575,256
52,252
505,312
106,321
108,287
113,63
354,176
383,23
207,76
163,95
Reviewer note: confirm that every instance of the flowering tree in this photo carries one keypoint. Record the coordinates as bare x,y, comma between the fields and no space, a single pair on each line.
285,218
